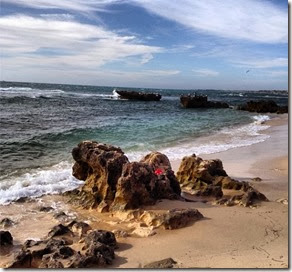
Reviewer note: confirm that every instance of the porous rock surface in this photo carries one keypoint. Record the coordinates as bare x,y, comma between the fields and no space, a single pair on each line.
95,249
114,183
208,178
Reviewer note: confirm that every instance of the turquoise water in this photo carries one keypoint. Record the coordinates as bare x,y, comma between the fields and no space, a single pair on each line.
41,123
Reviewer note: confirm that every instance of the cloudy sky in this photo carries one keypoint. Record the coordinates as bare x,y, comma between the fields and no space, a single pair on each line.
226,44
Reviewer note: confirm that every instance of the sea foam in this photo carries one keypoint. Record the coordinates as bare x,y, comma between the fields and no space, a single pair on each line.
53,180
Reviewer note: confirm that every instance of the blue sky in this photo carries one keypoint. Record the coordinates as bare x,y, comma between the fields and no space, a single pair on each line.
192,44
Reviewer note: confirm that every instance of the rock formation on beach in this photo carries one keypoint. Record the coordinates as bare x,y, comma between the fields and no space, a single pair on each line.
263,106
66,247
113,183
200,101
144,96
208,178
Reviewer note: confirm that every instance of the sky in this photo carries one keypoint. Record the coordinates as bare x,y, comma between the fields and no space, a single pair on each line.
186,44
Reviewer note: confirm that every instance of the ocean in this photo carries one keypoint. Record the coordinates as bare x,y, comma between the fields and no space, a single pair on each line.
41,123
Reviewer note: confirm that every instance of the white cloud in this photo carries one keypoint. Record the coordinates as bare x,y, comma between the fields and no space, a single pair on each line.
253,20
205,72
262,64
66,43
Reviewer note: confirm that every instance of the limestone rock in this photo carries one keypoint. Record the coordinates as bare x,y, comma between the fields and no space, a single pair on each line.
207,178
100,166
162,264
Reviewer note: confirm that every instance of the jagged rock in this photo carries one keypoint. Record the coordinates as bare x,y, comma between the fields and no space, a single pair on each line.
100,236
60,216
6,222
208,178
139,95
121,233
46,209
162,264
200,101
79,227
112,183
263,106
59,230
100,166
246,199
167,185
98,249
135,187
193,169
6,238
22,259
172,219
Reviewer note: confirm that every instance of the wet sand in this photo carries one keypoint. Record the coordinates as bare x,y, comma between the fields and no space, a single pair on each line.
228,237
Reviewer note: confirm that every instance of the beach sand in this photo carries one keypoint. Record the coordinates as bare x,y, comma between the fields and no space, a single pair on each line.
228,237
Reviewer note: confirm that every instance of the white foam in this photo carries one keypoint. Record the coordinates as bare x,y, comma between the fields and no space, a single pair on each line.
11,92
223,140
54,180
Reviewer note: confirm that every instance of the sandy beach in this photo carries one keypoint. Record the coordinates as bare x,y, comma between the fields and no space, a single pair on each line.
227,237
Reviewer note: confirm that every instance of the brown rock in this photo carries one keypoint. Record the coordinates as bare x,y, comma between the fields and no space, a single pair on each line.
100,166
162,264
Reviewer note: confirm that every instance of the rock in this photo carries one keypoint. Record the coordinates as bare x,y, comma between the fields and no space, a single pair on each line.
200,101
6,222
100,236
172,219
113,183
104,251
135,187
162,264
51,261
193,169
283,201
257,179
66,252
167,185
100,166
207,178
263,106
144,232
79,227
46,209
6,238
121,233
139,95
60,216
59,230
22,259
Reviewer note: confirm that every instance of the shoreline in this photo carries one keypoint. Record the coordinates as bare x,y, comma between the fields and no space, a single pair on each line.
228,237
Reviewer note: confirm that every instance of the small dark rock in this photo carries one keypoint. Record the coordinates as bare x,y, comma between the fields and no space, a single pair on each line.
46,209
66,252
6,222
100,236
162,264
59,230
5,238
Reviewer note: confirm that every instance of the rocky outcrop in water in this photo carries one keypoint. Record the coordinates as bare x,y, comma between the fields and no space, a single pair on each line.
263,106
113,183
200,101
139,95
207,178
